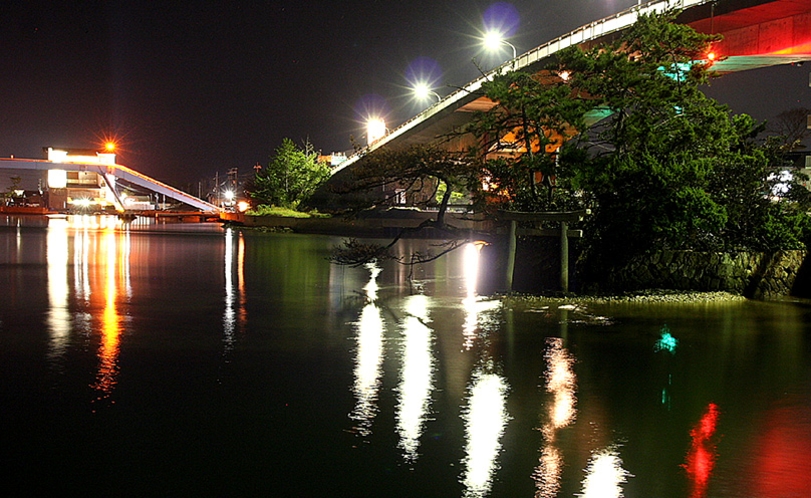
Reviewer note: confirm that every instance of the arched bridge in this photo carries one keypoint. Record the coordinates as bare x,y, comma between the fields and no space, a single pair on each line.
757,33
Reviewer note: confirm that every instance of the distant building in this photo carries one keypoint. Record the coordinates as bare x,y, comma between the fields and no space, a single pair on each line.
801,163
333,159
82,191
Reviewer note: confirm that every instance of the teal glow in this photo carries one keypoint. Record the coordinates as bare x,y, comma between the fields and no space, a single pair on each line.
666,342
677,71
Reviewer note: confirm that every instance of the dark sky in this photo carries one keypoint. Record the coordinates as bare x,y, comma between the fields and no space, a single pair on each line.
192,88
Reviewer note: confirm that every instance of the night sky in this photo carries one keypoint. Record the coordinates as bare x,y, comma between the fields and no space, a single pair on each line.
188,89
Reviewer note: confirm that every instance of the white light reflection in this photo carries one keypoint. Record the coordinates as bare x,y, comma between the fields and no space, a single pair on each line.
416,383
58,314
369,359
562,383
472,305
604,475
228,315
235,312
81,275
471,262
486,418
371,287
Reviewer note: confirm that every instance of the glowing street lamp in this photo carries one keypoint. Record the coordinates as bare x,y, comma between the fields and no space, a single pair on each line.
423,92
375,130
109,146
493,40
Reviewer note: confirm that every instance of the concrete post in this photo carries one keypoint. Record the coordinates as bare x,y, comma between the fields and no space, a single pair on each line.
511,247
564,256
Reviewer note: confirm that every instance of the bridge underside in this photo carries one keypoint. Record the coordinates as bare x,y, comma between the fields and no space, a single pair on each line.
757,33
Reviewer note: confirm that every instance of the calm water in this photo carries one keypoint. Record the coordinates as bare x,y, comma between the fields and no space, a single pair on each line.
178,360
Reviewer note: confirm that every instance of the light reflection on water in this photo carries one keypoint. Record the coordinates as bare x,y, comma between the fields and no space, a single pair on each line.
235,313
701,457
485,420
472,304
561,382
369,358
604,475
228,320
58,290
98,253
431,375
416,376
109,347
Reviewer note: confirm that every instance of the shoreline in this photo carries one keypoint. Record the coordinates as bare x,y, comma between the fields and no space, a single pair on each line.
646,296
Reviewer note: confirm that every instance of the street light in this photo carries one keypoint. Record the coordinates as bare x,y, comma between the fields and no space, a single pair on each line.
375,130
423,92
493,40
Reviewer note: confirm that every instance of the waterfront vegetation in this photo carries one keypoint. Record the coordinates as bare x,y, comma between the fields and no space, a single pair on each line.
292,175
266,210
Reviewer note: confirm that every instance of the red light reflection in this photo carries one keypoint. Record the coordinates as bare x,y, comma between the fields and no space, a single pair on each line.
782,456
701,457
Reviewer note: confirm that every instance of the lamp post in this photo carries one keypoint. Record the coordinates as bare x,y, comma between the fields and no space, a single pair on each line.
423,92
493,40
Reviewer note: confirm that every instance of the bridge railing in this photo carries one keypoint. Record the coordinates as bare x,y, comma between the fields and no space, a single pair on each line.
587,32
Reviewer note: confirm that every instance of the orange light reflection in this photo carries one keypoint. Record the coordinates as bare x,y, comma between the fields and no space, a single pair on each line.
243,312
561,382
108,352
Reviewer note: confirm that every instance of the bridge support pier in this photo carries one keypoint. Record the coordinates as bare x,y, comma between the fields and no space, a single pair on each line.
512,244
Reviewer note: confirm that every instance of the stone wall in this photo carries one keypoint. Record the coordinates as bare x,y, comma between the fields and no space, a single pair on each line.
754,275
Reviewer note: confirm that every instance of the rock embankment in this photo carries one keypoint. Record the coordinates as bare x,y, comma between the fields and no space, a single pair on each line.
754,275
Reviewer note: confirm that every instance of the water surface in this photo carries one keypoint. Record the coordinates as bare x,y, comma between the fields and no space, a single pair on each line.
167,360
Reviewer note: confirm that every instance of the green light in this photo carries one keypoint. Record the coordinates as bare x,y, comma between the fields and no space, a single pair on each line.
677,71
666,342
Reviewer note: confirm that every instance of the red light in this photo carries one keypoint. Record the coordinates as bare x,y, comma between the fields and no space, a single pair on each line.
711,56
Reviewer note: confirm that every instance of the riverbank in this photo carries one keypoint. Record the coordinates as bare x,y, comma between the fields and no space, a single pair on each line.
719,276
367,224
648,296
